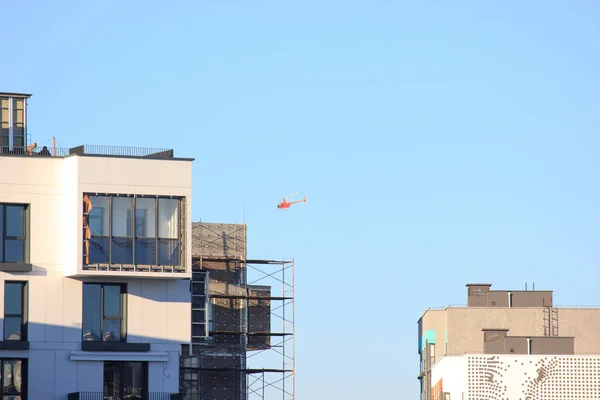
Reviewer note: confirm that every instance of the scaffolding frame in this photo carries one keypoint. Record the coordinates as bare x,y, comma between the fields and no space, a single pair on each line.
269,380
276,378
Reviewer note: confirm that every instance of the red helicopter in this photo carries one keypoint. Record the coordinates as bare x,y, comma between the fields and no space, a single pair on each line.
286,204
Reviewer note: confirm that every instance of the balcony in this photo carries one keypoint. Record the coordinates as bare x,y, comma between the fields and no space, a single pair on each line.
134,235
102,396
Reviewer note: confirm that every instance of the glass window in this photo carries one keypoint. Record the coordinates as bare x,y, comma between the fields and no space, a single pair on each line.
13,377
145,217
103,312
92,312
98,219
125,379
121,216
145,231
123,227
168,218
15,310
122,241
13,218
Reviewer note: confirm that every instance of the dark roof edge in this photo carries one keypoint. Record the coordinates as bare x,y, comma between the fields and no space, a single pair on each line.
132,157
13,94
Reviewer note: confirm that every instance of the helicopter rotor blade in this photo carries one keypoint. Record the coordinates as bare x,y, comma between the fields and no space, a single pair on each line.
290,195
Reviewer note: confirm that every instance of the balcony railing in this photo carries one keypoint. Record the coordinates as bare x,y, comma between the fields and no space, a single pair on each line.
43,151
102,396
90,150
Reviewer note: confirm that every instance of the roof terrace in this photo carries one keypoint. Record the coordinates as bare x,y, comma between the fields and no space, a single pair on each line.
91,151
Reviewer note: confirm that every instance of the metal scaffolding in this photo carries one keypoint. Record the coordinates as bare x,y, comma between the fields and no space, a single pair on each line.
241,356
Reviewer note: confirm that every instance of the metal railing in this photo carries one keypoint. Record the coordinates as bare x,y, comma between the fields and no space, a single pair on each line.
102,396
43,151
90,150
122,151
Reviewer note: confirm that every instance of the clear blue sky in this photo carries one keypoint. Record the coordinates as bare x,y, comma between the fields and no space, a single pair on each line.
437,142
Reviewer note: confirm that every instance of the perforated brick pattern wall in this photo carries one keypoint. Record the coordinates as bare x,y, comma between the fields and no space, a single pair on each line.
533,378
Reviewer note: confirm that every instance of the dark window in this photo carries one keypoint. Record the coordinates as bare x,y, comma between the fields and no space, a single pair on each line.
13,233
15,310
125,380
104,317
14,379
140,230
190,384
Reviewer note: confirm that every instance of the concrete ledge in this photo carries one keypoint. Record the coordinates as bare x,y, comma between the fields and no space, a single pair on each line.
114,346
161,356
14,345
15,267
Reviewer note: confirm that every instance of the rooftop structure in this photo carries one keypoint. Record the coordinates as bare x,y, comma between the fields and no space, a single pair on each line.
496,328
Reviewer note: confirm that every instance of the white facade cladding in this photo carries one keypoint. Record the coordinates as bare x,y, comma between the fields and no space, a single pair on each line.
504,376
95,261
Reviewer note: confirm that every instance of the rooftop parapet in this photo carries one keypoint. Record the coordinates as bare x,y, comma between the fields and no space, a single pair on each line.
34,150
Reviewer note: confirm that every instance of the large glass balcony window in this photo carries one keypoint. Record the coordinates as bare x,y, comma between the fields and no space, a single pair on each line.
132,230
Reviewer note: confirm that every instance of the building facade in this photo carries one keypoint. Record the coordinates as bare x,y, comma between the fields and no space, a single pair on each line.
95,263
509,344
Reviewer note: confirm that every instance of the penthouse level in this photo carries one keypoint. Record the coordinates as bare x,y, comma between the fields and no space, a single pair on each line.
95,211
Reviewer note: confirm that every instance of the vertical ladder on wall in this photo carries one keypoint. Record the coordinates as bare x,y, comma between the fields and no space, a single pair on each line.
547,322
550,321
554,321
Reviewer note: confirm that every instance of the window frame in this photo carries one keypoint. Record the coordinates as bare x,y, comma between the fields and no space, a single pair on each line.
24,377
24,315
131,226
122,317
3,232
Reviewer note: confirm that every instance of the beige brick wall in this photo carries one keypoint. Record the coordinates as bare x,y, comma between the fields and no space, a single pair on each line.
465,325
584,325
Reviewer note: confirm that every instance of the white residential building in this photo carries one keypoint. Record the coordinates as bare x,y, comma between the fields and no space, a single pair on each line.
95,262
504,376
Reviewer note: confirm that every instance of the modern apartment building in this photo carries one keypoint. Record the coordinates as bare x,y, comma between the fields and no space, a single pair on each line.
95,267
509,344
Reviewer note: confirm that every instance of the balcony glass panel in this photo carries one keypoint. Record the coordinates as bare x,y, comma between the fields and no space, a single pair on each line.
168,252
122,251
145,217
145,251
122,216
99,250
99,216
168,218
